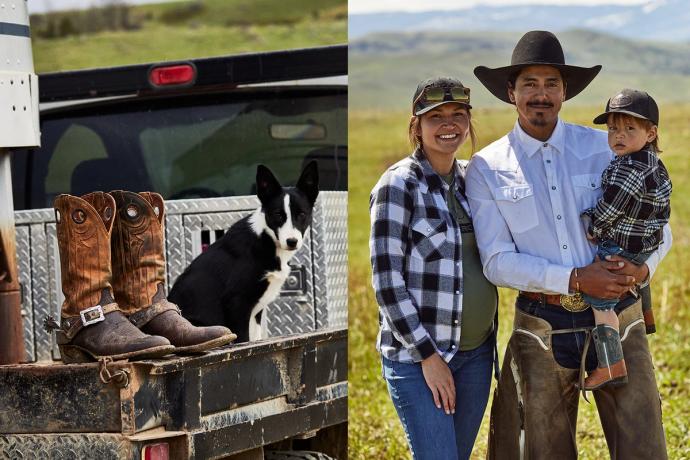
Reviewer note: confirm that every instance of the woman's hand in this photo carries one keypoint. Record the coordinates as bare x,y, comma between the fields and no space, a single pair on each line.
440,382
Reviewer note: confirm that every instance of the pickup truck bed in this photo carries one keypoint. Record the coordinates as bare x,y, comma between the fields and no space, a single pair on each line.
228,400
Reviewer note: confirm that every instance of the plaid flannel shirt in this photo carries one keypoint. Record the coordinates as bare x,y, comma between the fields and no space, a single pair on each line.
635,204
416,252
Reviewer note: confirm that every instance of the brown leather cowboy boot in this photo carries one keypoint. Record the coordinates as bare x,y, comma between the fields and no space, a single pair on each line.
611,369
92,324
139,265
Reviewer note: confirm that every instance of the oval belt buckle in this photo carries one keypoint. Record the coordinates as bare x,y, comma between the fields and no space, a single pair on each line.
574,303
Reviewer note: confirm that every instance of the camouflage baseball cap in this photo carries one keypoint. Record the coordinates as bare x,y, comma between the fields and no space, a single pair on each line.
433,92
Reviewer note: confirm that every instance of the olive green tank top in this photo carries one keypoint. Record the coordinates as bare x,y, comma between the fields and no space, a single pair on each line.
480,298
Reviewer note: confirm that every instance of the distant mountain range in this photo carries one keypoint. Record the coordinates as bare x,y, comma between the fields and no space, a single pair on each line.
384,68
658,20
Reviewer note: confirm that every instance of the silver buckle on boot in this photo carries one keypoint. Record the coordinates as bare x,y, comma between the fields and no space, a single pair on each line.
92,315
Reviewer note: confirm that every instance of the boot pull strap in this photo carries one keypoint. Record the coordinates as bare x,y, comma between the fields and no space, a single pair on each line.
104,204
77,208
150,200
157,204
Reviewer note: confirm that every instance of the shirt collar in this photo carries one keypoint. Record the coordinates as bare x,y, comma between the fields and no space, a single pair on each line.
433,180
646,156
531,145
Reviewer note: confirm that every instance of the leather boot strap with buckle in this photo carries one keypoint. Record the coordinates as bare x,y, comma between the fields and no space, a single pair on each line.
70,326
140,318
573,303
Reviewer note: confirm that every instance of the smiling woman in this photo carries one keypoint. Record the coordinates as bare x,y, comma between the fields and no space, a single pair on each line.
437,331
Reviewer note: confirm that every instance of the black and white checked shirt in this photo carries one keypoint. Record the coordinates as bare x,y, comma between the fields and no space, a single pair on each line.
416,259
635,204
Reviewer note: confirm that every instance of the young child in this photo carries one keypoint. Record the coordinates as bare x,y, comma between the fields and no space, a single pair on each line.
628,219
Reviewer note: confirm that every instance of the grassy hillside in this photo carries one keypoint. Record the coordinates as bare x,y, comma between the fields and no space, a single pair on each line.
377,139
386,67
180,30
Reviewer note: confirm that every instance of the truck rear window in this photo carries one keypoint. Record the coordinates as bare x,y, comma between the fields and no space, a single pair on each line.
191,146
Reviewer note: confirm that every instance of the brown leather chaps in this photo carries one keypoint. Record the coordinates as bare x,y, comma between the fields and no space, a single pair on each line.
534,410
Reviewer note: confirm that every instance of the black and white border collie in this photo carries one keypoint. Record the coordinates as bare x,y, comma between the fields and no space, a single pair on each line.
232,282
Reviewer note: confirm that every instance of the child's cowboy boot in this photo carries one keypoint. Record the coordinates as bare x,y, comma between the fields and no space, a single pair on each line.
92,325
139,268
647,312
611,369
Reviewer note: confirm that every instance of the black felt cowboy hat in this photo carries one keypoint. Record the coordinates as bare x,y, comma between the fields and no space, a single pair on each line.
537,47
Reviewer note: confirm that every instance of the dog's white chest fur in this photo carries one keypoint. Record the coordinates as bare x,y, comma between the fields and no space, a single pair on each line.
276,279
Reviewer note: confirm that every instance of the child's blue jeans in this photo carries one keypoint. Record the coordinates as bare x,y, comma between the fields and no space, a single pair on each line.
610,248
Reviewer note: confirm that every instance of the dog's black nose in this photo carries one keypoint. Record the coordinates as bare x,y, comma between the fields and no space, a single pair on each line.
292,243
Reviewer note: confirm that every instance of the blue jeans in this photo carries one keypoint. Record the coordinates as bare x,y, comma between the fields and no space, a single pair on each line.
431,433
566,348
610,248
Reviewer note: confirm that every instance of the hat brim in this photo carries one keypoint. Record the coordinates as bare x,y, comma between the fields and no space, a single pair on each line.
433,106
603,118
496,80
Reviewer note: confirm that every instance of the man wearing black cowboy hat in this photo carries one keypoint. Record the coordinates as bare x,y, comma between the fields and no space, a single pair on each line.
527,191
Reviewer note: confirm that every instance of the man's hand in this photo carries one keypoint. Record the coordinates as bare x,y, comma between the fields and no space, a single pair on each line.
440,381
597,280
639,272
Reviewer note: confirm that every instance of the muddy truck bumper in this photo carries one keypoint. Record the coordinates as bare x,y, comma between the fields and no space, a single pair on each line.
226,401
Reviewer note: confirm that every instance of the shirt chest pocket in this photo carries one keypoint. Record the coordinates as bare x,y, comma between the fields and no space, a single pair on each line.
429,240
587,188
518,207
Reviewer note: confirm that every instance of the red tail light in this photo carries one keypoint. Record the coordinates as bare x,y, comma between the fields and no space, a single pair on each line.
174,75
155,452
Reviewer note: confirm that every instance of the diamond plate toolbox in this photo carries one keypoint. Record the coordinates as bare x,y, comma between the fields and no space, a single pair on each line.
313,297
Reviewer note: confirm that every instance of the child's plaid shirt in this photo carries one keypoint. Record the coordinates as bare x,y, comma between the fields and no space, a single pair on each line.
416,259
635,204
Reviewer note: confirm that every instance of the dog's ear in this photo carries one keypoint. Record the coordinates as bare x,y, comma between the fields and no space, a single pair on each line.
308,181
267,185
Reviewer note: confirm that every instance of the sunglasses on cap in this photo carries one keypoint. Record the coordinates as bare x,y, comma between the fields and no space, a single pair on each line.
432,94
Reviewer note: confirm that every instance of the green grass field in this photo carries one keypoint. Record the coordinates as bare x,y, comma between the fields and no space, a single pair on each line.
378,139
221,27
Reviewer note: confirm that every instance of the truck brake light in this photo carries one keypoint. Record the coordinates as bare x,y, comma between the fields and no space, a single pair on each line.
155,451
174,75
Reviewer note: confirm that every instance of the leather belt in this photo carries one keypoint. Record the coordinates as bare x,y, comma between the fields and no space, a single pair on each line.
572,303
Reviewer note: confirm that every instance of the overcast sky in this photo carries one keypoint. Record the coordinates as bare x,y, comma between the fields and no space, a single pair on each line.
369,6
354,6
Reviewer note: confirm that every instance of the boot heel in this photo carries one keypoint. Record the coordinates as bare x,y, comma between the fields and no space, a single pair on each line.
618,382
74,355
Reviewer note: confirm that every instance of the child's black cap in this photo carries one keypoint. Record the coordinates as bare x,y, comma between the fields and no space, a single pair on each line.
631,102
